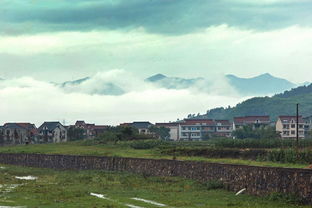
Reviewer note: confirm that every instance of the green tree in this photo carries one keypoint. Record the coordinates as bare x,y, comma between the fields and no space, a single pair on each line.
160,132
76,133
1,137
256,133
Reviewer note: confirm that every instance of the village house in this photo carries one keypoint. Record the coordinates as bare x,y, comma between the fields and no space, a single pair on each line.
308,126
253,121
142,126
87,131
18,133
201,129
287,127
52,132
174,130
224,128
99,129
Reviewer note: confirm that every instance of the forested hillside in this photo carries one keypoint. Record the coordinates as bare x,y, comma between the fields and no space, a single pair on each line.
280,104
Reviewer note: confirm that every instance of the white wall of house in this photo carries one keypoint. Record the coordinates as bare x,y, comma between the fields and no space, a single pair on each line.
190,132
288,130
174,132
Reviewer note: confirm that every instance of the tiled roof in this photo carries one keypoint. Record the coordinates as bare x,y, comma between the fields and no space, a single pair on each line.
166,124
198,122
251,119
28,126
80,123
141,124
12,125
287,119
99,127
50,125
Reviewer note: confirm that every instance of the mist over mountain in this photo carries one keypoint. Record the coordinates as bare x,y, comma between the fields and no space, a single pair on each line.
173,82
264,84
74,82
89,86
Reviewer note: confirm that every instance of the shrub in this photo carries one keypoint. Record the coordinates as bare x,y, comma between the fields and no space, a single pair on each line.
213,152
289,156
214,184
287,198
259,143
146,144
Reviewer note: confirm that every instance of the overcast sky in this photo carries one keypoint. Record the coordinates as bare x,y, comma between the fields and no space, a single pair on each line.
59,40
64,39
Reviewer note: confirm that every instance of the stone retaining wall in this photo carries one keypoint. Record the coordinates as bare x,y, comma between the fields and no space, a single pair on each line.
256,180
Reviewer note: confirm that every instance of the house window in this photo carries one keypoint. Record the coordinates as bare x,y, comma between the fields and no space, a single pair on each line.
285,126
300,126
293,126
293,132
183,128
285,132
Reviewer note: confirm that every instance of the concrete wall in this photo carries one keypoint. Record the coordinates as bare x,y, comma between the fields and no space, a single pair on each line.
257,180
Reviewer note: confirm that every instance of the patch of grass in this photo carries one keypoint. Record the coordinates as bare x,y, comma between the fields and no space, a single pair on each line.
67,189
146,144
288,198
214,184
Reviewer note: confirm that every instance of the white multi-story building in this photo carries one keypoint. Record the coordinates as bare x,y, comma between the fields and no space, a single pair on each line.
253,121
200,129
287,127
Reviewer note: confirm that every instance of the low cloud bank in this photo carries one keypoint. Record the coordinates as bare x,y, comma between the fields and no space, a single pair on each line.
26,99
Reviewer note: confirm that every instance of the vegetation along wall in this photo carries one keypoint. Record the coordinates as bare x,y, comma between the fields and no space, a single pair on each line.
256,180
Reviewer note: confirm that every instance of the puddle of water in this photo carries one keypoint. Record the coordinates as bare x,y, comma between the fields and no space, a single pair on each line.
11,207
28,178
150,202
132,206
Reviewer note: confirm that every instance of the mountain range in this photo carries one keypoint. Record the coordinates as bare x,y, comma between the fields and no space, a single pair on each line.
264,84
87,85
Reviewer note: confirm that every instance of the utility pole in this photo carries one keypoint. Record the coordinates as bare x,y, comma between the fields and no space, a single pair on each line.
297,125
297,130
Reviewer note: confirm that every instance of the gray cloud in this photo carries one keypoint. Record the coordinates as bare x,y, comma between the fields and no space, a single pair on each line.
157,16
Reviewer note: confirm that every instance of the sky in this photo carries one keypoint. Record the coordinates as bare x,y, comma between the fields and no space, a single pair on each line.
52,41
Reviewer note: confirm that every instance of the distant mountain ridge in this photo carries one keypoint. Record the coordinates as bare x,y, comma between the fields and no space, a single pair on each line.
100,88
75,82
264,84
261,85
173,82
